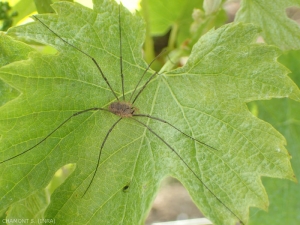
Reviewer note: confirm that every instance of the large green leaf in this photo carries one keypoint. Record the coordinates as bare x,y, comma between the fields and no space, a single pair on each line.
206,99
271,16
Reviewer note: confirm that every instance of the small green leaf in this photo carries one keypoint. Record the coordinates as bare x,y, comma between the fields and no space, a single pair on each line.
277,28
43,6
23,8
206,99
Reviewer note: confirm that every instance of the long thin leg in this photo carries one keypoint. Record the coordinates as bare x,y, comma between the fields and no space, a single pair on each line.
141,90
45,138
163,121
198,178
148,67
98,67
121,55
102,145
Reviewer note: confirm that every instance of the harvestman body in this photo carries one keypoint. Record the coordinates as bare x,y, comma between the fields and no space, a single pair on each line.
125,110
122,109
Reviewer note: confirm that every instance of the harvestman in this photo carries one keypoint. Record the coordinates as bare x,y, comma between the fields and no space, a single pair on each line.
124,110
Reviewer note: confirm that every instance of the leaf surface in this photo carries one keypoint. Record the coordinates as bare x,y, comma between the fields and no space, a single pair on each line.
284,115
205,99
9,54
271,16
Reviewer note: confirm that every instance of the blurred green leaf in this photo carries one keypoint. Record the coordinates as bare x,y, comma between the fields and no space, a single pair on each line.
24,8
277,28
43,6
165,15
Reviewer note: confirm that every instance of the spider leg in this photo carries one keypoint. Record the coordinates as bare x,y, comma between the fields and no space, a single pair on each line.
78,49
166,122
148,67
141,90
198,178
45,138
121,56
102,145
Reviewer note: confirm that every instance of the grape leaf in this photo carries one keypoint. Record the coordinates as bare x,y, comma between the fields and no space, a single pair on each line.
277,28
206,99
284,203
9,54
